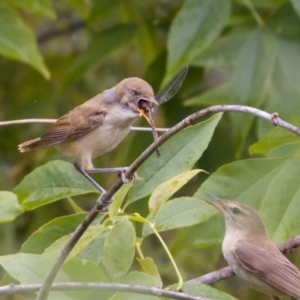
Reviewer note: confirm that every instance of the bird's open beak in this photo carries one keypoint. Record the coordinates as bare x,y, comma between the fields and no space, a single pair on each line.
214,201
145,106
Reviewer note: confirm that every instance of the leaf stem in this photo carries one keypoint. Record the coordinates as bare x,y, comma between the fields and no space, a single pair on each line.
254,13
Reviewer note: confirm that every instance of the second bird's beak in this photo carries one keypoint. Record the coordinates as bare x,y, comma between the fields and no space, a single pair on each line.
145,106
214,201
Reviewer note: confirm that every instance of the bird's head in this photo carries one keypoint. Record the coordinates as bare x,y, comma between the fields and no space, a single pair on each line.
137,95
240,218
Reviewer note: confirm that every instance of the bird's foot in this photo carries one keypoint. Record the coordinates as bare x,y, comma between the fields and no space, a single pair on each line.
103,206
127,180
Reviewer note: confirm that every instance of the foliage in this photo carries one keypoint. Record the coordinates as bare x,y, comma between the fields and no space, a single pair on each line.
55,55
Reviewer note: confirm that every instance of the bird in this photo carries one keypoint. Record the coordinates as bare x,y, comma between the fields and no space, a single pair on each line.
251,254
98,125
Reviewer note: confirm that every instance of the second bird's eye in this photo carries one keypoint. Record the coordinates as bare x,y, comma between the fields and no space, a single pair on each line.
236,210
134,92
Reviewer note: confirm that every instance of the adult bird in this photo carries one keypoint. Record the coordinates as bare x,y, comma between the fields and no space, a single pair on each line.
251,254
98,125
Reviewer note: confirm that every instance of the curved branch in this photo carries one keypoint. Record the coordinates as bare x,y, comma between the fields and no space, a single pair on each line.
286,247
103,200
127,288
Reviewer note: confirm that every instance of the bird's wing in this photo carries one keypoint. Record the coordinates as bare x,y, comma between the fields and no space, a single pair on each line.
272,267
74,124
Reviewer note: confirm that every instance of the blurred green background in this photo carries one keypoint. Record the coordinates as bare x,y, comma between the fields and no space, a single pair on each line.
57,54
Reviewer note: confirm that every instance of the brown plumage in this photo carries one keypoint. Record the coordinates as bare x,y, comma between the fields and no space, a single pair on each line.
251,254
98,125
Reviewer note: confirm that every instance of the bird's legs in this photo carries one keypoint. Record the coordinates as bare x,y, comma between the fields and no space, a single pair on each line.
120,170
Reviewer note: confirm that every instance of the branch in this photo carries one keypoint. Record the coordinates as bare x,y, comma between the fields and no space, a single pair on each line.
137,289
104,200
51,121
286,247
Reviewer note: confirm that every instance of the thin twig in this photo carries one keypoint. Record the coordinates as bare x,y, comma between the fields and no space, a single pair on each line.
127,288
254,13
51,121
103,201
286,247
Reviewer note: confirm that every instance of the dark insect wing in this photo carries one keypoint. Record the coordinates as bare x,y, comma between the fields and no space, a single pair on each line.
172,87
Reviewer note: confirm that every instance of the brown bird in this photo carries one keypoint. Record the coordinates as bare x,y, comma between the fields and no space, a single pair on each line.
98,125
251,254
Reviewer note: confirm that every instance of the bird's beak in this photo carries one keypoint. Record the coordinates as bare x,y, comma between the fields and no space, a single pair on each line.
145,106
214,201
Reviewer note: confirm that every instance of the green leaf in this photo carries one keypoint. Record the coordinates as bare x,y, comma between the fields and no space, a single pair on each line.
93,56
89,235
118,199
196,25
224,50
275,138
136,278
269,185
50,232
32,268
180,212
179,154
40,7
206,291
89,271
17,41
119,249
150,268
51,182
9,207
28,268
168,188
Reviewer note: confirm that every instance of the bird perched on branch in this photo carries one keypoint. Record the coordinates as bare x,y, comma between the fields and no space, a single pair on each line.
251,254
98,125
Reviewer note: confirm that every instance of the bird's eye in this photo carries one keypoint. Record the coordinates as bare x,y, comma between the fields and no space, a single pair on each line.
235,210
134,92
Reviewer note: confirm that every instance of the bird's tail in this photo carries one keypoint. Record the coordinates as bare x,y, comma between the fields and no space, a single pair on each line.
33,144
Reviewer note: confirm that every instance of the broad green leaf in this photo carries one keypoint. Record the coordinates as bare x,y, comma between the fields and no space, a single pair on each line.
196,25
202,235
224,50
119,249
17,41
40,7
180,212
275,138
99,48
94,250
50,232
32,268
136,278
269,185
150,268
165,190
89,271
219,95
179,154
118,199
9,207
28,268
51,182
206,291
89,235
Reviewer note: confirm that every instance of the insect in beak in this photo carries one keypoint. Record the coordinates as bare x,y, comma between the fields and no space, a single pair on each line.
145,106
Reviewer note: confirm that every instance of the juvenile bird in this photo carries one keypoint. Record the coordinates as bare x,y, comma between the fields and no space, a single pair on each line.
251,254
98,125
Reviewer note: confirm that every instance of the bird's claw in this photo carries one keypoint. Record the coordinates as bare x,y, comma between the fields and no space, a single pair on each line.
126,180
103,205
